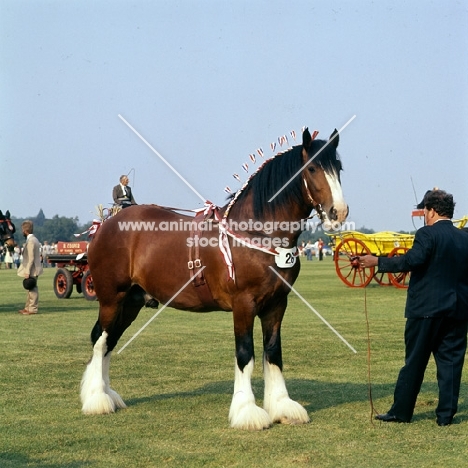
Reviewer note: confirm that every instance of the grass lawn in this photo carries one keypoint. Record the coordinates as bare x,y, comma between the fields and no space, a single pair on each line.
177,380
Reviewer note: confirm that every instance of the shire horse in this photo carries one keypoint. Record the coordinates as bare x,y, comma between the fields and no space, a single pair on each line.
241,273
7,231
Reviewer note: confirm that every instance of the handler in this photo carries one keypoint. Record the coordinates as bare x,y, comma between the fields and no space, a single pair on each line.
122,193
436,309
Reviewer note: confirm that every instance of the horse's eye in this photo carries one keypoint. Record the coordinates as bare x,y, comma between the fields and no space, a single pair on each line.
311,169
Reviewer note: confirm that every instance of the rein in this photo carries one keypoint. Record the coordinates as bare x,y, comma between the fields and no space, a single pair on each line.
369,380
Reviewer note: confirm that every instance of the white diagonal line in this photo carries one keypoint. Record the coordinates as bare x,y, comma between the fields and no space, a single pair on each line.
311,159
313,310
163,160
159,311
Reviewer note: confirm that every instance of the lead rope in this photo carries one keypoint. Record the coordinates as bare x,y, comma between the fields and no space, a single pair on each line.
369,380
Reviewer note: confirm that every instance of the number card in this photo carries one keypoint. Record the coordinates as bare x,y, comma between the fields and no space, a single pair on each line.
286,258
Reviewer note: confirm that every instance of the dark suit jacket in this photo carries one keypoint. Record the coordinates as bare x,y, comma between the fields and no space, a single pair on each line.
120,198
438,262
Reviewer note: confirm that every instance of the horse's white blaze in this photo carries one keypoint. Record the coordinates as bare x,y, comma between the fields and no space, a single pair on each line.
96,395
244,413
277,402
338,199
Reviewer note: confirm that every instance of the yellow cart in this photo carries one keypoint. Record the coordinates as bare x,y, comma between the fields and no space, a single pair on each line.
349,245
352,244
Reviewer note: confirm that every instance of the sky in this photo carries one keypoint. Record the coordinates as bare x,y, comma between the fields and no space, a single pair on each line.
207,82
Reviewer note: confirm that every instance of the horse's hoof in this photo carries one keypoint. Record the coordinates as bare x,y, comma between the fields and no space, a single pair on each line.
99,404
287,411
152,303
250,418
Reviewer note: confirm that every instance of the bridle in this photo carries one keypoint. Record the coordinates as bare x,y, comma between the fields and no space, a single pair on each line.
316,206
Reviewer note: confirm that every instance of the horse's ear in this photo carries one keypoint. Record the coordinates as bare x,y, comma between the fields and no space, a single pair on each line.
335,138
7,214
1,214
306,139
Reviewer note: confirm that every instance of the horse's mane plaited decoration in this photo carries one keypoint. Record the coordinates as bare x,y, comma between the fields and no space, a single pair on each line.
281,140
247,182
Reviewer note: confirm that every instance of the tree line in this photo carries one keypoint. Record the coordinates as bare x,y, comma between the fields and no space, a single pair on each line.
58,228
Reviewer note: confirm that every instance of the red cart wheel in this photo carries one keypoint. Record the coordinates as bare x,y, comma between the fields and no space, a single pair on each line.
87,286
383,278
399,280
347,266
63,283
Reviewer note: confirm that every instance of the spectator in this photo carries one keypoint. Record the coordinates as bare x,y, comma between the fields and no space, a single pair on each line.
308,250
16,257
8,259
46,250
30,268
320,245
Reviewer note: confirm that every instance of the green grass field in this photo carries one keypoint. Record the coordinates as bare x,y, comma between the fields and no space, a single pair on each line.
177,380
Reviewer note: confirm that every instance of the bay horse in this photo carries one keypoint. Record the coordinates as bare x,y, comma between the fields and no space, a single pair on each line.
7,231
240,271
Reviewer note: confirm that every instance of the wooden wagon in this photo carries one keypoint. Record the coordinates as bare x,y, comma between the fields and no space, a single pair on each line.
349,245
72,269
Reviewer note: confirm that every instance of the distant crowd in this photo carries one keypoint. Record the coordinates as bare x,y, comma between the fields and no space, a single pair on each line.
316,249
12,259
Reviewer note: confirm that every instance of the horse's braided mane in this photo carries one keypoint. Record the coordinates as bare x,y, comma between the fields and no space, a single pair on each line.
277,171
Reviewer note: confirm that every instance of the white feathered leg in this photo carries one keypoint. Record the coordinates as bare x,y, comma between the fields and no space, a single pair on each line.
95,395
244,413
118,402
277,402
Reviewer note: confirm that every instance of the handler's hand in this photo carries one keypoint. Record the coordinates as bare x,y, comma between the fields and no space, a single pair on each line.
367,261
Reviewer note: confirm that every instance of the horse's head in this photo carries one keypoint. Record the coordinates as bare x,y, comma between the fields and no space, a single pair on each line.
7,230
321,176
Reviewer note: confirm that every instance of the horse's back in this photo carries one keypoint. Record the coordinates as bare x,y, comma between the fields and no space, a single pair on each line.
136,224
145,245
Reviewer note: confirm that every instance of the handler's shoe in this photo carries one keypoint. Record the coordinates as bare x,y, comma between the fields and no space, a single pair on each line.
26,312
444,422
387,417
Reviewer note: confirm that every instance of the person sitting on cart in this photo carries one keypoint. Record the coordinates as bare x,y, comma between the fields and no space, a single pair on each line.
122,193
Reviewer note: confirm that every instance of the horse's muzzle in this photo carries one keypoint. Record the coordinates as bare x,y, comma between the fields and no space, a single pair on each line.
339,215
